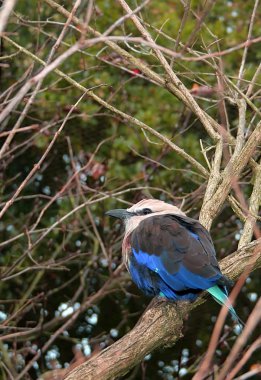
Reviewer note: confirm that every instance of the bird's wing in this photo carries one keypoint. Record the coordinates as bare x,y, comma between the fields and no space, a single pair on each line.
179,249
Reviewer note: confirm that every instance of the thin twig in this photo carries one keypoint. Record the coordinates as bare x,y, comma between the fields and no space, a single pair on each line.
181,91
124,116
242,66
40,162
247,355
38,86
252,322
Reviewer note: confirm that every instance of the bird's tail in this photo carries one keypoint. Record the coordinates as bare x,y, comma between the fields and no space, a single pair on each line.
222,299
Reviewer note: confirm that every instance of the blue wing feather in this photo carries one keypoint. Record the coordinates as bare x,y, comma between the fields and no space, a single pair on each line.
173,256
172,286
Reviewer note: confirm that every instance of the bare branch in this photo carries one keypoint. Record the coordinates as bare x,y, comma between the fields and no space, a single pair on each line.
254,346
252,322
232,171
38,86
254,204
179,89
160,325
6,10
55,184
242,66
38,165
174,88
128,118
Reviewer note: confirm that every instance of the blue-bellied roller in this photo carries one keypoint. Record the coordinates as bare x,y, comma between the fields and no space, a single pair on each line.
169,254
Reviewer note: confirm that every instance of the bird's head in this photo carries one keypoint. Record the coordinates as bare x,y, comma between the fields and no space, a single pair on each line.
144,209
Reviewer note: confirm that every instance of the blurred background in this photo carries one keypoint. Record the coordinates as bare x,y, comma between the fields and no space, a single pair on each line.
58,249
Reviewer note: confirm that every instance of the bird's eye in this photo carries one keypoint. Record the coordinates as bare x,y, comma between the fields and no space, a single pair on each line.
146,211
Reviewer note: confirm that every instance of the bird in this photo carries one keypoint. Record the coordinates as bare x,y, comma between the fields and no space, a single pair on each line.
171,255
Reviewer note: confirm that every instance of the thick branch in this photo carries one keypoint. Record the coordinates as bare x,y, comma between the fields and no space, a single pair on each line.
254,204
231,173
160,325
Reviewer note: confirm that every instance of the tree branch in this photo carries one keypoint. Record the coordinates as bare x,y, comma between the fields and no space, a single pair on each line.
132,120
6,10
175,86
231,173
254,204
160,325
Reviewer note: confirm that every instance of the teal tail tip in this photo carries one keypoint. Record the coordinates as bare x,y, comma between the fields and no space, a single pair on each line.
220,297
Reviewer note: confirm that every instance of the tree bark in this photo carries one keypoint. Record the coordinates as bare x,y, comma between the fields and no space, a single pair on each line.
159,326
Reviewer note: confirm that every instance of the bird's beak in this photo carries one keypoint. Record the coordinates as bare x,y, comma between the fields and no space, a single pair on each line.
120,213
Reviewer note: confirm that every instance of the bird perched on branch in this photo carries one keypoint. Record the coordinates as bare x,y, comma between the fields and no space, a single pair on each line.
169,254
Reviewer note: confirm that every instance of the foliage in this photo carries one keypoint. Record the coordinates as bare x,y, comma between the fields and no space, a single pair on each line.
58,249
